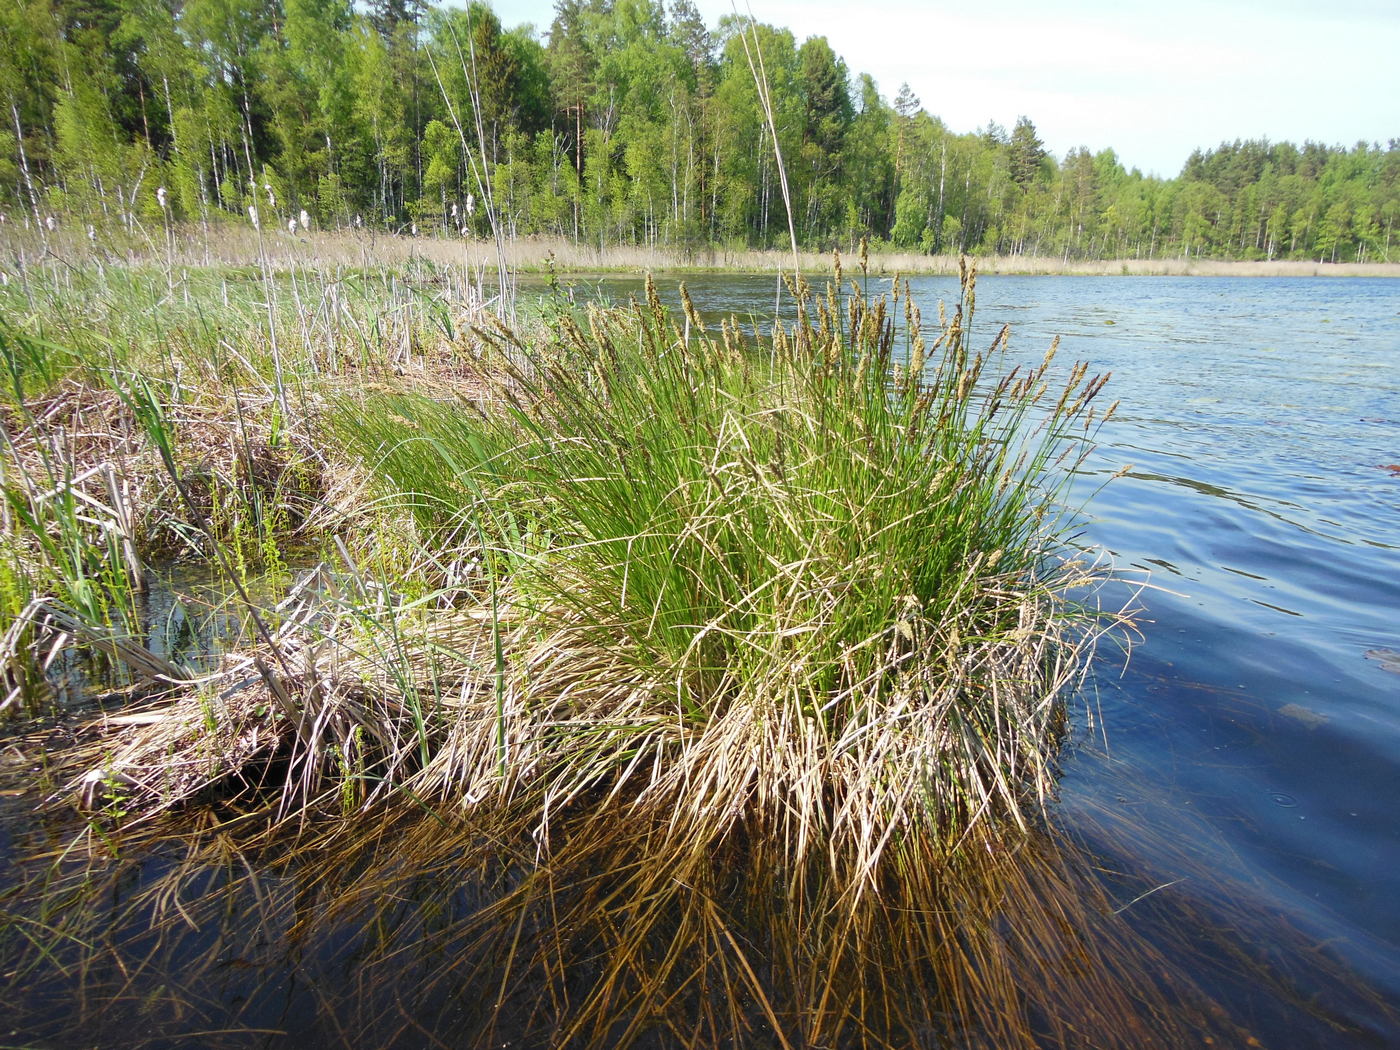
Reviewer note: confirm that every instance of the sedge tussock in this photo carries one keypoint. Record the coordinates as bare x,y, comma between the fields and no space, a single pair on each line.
795,618
779,540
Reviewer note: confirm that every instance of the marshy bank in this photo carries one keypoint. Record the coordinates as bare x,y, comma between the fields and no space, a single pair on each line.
235,245
658,684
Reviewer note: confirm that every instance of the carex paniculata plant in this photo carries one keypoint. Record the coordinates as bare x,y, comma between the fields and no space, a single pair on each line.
788,627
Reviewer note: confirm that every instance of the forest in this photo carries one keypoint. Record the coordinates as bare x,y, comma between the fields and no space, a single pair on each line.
623,122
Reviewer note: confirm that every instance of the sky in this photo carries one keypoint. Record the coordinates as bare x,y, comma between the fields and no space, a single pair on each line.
1152,81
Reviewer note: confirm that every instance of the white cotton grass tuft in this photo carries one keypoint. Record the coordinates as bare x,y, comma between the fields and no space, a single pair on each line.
253,216
305,220
161,198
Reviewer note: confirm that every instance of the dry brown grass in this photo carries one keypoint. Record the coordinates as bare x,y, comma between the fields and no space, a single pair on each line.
80,434
239,245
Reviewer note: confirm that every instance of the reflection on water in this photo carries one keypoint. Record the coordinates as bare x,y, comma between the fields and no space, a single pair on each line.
187,615
408,931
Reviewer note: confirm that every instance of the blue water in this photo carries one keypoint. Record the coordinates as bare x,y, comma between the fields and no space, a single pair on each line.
1256,417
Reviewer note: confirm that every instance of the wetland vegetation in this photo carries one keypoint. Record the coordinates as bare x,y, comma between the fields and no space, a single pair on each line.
610,676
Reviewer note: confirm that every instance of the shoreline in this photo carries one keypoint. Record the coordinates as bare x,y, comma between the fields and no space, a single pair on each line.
233,245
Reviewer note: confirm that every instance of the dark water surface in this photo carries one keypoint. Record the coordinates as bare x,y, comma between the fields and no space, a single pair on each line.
1262,701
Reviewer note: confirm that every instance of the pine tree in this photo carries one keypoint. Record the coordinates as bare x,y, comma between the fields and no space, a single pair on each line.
387,15
1026,152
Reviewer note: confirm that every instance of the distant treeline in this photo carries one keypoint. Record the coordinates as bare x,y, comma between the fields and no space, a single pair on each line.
620,123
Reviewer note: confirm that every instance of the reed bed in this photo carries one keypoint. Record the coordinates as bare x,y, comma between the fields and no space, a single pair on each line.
232,244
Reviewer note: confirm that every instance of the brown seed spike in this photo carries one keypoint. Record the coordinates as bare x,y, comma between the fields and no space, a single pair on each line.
654,300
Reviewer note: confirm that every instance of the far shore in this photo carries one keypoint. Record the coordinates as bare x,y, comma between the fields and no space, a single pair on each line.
236,245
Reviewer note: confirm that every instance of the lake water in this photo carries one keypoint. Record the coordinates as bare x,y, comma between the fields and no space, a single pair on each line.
1241,774
1250,722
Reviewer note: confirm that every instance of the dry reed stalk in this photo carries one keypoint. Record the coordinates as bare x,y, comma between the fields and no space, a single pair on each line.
88,426
234,245
481,172
754,55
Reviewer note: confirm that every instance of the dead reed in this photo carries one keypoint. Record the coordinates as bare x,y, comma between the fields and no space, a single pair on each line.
479,260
